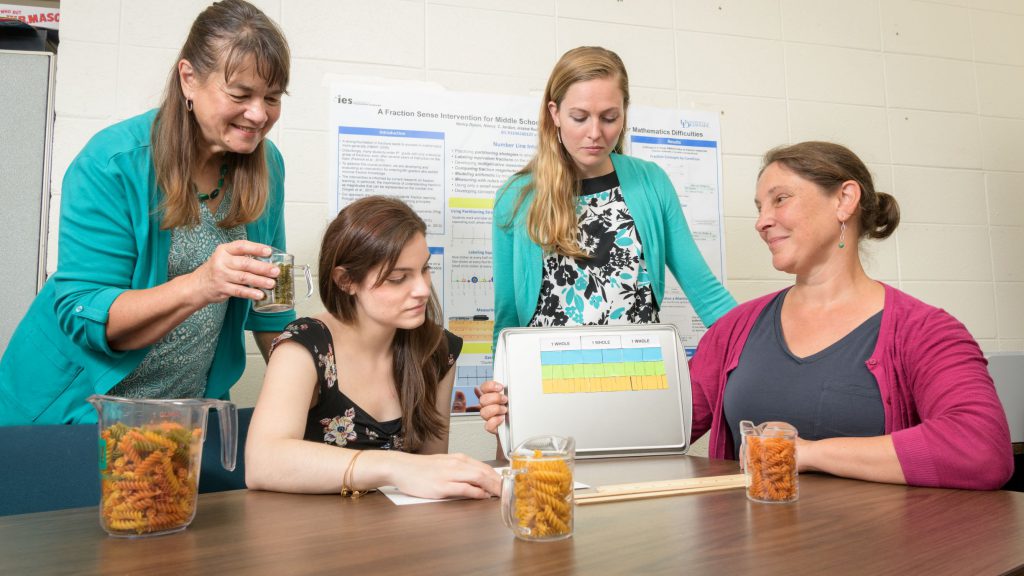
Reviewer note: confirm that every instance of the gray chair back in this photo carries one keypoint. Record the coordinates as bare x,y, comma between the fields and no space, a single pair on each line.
56,467
48,468
1007,370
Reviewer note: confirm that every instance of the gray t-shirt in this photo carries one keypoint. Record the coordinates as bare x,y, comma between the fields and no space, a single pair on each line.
828,394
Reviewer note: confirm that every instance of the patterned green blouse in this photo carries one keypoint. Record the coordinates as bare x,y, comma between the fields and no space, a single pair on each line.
177,365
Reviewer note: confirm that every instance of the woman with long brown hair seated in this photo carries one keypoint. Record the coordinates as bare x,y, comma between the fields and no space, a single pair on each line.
370,378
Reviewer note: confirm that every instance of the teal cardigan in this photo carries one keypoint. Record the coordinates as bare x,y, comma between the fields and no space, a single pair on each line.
664,235
110,242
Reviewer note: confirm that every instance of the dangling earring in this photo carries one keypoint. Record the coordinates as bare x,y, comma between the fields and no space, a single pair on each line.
842,234
188,104
558,133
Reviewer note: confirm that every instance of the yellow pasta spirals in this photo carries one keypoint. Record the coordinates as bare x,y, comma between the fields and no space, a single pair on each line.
149,478
543,496
771,464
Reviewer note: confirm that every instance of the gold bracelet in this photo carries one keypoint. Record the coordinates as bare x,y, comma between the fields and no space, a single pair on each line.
346,480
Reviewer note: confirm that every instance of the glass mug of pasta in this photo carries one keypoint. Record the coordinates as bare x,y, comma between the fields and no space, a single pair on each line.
282,296
150,456
537,489
768,459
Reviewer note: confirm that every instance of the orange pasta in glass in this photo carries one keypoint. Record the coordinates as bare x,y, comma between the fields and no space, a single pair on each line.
771,469
543,496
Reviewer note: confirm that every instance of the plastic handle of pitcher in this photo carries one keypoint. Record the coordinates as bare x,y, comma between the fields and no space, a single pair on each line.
508,478
227,413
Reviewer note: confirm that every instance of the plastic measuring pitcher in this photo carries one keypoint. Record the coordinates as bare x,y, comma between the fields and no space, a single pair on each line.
150,454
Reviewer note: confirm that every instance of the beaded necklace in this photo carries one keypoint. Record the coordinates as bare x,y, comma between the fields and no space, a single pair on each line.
220,184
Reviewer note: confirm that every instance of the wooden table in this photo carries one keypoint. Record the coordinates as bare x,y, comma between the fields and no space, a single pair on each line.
838,527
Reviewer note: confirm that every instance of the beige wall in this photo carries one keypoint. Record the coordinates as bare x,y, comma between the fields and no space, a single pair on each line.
930,94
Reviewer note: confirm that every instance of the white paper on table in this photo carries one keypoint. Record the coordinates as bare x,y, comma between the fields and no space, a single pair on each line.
400,498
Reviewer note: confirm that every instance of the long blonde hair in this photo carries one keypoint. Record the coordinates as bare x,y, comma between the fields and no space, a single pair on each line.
555,180
226,34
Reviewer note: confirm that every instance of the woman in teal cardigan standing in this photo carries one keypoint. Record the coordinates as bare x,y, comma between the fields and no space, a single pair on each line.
582,234
161,216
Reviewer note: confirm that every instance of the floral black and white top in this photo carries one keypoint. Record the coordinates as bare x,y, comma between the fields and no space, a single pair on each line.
612,285
335,419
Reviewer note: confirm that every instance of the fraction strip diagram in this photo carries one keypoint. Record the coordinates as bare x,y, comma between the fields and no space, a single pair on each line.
611,363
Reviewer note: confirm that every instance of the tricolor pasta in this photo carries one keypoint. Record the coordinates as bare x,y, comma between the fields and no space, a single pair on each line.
148,478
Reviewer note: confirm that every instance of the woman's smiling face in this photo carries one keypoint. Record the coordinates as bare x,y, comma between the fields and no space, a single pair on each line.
234,114
796,219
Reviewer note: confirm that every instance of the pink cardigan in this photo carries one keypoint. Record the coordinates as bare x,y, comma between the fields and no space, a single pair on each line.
941,408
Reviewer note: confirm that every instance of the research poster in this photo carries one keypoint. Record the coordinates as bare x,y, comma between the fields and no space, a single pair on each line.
447,153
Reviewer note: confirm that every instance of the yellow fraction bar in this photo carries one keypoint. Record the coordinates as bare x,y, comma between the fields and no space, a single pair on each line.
476,348
578,385
478,203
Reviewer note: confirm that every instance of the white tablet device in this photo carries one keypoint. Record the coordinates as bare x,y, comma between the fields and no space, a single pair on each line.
619,390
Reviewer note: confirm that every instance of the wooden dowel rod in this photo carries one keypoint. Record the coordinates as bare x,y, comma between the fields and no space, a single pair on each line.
598,497
729,481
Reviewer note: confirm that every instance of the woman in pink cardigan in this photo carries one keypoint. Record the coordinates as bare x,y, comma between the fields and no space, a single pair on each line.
880,385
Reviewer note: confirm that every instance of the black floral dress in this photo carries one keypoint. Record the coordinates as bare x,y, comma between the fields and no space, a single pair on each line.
612,286
335,419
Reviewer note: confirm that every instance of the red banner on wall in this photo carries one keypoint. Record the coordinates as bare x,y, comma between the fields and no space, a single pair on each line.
48,18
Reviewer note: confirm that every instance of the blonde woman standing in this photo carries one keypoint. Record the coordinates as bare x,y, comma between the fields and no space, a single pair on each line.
583,234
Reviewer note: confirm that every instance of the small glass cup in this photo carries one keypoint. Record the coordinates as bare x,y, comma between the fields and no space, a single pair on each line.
768,459
282,296
537,489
